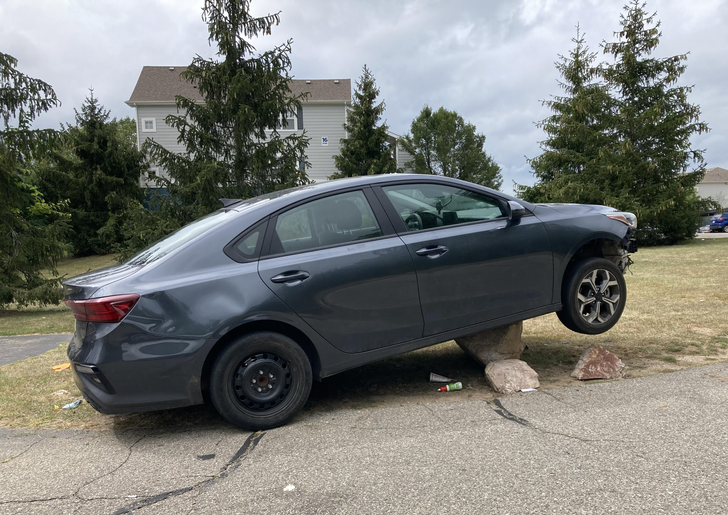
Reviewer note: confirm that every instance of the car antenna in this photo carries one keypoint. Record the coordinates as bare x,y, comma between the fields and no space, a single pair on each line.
227,202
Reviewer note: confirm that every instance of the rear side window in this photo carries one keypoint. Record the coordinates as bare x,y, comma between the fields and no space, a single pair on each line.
426,206
247,247
334,220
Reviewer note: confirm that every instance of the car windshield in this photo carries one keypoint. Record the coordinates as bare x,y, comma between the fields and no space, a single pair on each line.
180,237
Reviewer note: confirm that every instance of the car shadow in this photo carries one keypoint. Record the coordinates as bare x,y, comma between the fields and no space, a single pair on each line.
392,381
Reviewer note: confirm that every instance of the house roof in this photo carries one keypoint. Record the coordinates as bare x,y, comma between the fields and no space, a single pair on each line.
713,175
163,83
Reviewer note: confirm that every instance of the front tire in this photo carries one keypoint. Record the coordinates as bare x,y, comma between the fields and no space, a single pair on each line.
593,296
260,381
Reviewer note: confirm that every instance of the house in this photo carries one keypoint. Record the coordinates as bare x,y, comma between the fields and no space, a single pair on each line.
322,115
715,185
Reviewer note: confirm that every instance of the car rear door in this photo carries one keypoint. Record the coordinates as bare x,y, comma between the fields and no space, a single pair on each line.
337,262
473,264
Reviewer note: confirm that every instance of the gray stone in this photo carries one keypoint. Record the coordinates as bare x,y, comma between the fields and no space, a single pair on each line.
598,363
510,376
495,344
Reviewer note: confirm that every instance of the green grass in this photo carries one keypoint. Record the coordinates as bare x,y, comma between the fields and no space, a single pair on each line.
50,319
669,323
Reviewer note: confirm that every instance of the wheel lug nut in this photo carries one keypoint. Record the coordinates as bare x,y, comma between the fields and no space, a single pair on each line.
270,386
260,389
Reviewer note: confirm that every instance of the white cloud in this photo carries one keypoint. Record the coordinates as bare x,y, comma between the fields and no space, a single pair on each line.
492,61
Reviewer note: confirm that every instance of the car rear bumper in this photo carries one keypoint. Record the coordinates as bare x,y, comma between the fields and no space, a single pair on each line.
118,372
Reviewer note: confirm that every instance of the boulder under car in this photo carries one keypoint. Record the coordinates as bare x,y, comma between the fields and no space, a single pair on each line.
250,304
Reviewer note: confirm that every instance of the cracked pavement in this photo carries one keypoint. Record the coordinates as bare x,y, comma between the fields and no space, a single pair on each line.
649,445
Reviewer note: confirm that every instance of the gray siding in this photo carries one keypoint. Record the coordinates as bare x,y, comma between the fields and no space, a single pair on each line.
165,135
323,121
403,157
319,121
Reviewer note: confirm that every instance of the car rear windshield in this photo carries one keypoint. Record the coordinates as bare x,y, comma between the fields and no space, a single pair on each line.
180,237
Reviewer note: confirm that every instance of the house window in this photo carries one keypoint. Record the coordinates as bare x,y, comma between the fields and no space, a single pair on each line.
289,123
149,125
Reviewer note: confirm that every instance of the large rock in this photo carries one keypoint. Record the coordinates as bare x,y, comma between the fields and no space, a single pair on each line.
495,344
510,376
598,363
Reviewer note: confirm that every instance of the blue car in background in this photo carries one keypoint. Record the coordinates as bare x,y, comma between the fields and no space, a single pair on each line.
719,223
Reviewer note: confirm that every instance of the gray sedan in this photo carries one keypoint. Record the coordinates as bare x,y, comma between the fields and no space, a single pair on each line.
248,305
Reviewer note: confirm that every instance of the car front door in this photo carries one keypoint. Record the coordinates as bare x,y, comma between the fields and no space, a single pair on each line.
337,262
473,264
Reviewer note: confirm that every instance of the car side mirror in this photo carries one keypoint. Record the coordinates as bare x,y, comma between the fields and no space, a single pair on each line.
515,210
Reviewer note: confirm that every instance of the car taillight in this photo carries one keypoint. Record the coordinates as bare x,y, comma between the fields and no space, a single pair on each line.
719,219
110,310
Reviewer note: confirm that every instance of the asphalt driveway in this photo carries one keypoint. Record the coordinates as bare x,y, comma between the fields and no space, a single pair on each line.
649,445
15,348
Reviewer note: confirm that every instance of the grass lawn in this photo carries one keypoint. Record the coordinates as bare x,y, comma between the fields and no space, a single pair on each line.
50,319
675,317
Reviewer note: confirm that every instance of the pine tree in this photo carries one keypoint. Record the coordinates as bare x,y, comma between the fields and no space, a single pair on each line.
443,144
230,151
97,170
31,230
579,134
365,150
649,172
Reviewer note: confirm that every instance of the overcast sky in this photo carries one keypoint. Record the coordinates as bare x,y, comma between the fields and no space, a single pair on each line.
490,60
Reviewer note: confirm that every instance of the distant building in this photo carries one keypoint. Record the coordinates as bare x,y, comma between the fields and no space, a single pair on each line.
322,115
715,185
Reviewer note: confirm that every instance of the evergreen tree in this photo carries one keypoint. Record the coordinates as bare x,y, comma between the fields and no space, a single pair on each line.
621,136
31,230
649,172
97,170
443,144
579,134
365,151
230,150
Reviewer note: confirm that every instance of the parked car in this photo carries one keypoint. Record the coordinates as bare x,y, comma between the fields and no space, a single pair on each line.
719,223
250,304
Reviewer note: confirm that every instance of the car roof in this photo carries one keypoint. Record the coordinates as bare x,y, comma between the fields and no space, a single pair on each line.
278,199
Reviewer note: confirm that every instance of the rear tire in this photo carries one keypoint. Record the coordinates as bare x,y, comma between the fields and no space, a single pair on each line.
593,296
260,381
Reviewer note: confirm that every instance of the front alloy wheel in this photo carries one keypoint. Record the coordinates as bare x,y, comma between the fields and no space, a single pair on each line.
592,296
598,296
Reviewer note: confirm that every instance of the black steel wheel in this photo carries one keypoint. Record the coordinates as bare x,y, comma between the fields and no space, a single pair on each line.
260,381
593,296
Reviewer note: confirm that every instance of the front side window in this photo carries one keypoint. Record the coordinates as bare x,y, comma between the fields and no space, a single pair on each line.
426,205
334,220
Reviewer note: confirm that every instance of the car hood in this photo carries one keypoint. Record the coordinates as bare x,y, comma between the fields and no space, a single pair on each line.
579,209
85,285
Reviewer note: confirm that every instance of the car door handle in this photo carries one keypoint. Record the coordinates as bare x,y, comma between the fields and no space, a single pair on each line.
432,251
291,277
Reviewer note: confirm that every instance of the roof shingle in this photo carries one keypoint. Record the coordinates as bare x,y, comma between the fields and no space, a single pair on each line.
163,83
716,174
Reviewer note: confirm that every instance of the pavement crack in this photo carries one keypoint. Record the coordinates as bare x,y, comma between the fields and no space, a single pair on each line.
123,462
40,438
30,501
248,446
503,412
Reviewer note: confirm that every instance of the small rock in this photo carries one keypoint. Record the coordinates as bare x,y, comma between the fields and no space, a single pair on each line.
598,363
510,376
495,344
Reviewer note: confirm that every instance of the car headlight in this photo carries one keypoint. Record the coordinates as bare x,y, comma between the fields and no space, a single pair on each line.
628,219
